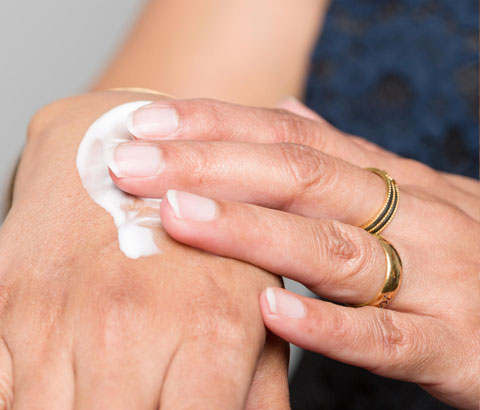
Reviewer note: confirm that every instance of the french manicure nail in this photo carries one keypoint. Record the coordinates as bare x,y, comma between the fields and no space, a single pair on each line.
190,206
153,121
281,302
135,160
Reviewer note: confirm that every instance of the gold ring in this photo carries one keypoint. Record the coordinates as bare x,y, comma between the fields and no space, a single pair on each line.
389,208
393,276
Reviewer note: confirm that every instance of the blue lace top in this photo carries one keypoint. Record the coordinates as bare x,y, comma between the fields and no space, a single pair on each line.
404,74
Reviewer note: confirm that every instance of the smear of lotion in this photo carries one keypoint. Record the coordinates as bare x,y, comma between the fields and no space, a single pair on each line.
136,219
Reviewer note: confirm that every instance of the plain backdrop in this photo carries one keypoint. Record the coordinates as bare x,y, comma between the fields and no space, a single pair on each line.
52,49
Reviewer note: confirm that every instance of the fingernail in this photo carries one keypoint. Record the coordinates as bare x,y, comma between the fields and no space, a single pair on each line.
153,121
288,99
190,206
135,160
283,303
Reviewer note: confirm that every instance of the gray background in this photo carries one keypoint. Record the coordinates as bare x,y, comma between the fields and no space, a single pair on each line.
48,50
52,49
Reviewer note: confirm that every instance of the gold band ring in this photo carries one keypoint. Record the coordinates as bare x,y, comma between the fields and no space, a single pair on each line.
389,208
393,276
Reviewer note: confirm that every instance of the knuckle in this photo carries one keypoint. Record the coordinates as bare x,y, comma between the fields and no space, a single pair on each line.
288,126
123,305
197,160
342,243
389,338
394,338
346,252
216,326
208,114
305,166
357,264
404,347
220,322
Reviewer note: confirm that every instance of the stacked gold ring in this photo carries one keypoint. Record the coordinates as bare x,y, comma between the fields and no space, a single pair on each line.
377,224
386,213
393,277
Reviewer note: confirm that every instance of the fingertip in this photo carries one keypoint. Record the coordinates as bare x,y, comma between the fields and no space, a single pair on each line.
284,313
112,174
186,222
129,123
266,302
295,106
167,214
112,165
155,121
288,101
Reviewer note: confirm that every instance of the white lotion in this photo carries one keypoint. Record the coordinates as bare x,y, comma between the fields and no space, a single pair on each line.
136,219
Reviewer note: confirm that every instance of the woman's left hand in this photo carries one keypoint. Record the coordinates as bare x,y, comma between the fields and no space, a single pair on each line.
290,192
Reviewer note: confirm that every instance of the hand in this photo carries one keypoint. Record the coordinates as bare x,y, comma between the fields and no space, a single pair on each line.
82,326
290,191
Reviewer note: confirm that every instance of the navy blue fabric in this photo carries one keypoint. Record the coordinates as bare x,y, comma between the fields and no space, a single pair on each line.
403,74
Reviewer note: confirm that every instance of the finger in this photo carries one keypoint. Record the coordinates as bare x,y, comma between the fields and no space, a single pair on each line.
122,346
203,119
6,377
335,260
212,371
269,388
43,380
388,343
118,371
291,177
214,120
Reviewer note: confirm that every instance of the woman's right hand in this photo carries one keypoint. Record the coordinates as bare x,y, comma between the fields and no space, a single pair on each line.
82,326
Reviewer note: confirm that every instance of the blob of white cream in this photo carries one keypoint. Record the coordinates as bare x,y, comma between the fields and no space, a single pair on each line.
136,219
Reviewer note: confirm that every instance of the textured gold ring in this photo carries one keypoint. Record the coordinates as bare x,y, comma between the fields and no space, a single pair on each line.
387,211
393,276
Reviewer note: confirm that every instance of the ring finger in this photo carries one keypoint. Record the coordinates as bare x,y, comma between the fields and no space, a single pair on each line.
335,260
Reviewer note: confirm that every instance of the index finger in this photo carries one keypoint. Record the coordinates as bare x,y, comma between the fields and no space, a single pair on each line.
211,120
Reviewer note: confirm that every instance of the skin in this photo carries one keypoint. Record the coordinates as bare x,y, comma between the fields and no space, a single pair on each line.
289,191
82,326
229,50
83,354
